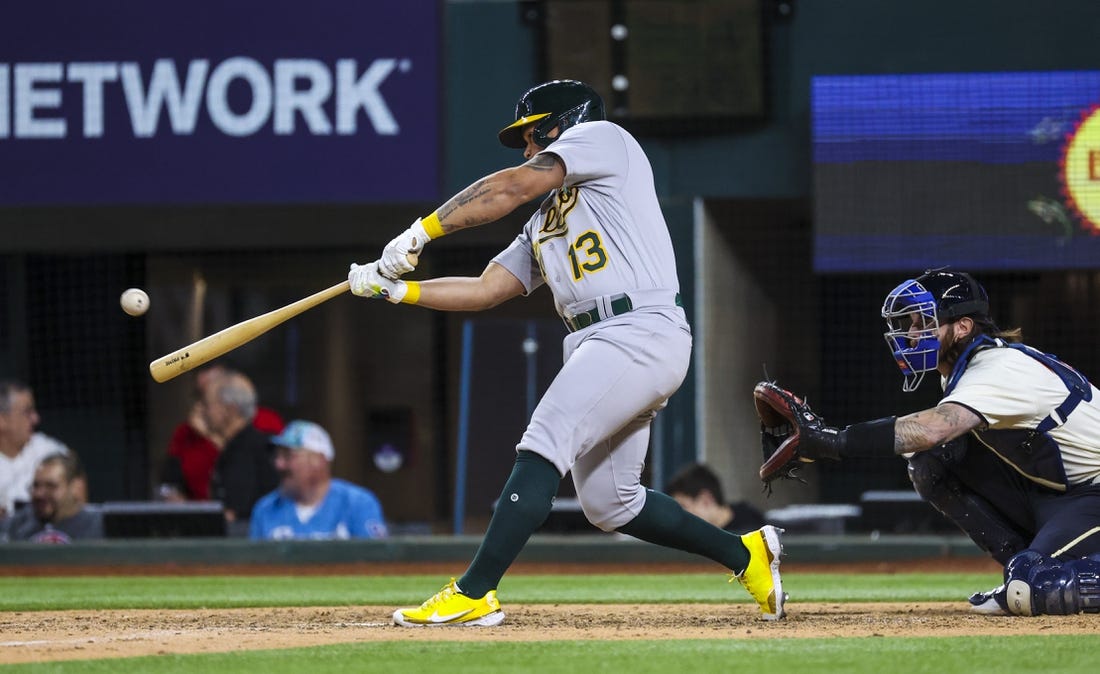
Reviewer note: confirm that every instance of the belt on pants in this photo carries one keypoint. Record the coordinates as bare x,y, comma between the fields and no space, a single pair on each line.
620,304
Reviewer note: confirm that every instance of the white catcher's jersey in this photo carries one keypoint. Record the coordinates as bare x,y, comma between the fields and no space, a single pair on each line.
1009,389
602,233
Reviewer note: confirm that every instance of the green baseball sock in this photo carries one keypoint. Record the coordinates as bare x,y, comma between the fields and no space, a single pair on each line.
664,522
523,506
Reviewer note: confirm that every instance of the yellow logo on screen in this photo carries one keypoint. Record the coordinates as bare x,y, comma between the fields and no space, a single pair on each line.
1081,170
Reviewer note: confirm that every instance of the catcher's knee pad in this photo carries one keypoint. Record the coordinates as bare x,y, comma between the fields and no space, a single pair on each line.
934,482
929,469
927,474
1039,585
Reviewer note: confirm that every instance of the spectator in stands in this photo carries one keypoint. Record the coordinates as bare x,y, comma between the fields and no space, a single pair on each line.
193,449
245,468
310,503
58,512
697,489
21,447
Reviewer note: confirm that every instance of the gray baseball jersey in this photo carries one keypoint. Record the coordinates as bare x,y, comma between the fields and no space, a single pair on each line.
602,233
598,238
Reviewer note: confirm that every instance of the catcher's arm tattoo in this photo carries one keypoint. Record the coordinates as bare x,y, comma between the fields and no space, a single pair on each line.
930,428
497,195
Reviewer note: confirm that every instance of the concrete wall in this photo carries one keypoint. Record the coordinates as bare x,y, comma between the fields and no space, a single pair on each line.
759,319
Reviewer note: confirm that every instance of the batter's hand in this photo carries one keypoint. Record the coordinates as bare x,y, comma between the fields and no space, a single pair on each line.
399,255
365,281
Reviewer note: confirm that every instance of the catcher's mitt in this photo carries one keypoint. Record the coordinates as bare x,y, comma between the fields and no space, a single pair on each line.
783,417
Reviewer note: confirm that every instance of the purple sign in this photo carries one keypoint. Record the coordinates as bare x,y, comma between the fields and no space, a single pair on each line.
116,102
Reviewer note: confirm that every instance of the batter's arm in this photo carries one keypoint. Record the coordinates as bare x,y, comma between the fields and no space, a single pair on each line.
932,427
455,293
500,193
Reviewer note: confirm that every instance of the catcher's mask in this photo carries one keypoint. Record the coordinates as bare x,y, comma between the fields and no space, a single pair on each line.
560,103
914,311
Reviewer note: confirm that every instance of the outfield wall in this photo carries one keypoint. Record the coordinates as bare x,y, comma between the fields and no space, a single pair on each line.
545,549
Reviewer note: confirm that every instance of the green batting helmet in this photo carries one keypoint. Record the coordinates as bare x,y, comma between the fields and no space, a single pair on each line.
560,103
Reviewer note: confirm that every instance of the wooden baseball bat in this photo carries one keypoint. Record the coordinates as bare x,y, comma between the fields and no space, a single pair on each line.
208,348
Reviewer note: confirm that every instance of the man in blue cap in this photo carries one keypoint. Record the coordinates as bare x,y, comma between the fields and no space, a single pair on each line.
309,502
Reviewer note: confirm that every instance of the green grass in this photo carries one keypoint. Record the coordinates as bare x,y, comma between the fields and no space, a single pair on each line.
45,593
944,655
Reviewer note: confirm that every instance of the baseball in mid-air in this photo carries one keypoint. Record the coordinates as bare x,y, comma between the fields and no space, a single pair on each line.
134,301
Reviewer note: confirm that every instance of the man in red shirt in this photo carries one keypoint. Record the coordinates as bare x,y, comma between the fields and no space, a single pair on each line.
194,448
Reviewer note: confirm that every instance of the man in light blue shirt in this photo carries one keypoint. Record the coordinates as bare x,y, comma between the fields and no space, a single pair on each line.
310,503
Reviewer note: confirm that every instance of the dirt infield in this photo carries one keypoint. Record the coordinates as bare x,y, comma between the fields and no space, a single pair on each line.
66,635
69,635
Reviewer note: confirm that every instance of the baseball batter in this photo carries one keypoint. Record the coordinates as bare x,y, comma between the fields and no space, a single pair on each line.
1011,453
600,242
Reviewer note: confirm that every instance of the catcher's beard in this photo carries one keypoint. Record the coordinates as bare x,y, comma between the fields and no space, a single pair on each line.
951,348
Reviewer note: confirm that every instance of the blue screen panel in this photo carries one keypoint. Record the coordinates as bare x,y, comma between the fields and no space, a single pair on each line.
973,170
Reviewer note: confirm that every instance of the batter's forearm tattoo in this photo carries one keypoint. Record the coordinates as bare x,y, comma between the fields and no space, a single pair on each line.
483,191
472,193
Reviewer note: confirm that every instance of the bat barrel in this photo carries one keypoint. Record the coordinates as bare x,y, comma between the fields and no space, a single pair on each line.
173,364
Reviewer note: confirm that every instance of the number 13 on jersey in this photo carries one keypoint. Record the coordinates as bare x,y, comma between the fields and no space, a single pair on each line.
586,254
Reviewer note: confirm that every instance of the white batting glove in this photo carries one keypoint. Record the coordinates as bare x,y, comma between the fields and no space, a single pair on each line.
365,281
395,256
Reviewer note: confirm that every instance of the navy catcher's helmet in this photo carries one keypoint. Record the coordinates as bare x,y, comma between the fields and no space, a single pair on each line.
560,103
957,294
916,308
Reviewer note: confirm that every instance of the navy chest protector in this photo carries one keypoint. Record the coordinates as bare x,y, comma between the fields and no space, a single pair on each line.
1031,452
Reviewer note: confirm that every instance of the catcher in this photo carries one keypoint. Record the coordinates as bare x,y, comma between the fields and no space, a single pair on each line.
1011,454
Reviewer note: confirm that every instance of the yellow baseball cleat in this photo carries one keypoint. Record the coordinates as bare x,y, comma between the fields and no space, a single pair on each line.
761,577
450,607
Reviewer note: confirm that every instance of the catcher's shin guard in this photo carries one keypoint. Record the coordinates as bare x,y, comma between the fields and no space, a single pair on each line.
977,518
1040,585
